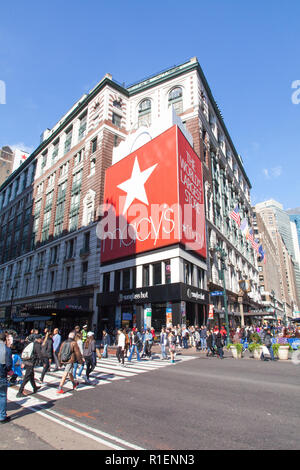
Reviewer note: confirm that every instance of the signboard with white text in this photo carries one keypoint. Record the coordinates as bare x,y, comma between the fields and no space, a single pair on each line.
154,198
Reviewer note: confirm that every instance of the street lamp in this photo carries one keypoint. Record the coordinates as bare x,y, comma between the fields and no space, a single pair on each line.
13,287
223,256
273,296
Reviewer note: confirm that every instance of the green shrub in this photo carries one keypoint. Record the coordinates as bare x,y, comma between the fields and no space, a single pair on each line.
253,346
237,346
255,338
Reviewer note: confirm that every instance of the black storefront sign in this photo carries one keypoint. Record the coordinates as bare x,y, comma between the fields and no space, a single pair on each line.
154,294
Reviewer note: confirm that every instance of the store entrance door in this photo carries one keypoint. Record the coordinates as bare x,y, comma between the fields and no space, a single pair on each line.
190,314
158,316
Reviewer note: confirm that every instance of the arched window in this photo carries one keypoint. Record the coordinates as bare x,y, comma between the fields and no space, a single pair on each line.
144,113
175,99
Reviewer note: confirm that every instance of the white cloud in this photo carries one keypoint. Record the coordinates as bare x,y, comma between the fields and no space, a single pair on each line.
272,173
277,171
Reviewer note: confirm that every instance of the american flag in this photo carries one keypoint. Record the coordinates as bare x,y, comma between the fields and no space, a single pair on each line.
250,236
255,244
235,215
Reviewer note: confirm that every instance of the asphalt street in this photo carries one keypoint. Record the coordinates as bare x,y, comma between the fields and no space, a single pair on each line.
203,403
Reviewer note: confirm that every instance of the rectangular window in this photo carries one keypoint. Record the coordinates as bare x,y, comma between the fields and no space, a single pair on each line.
76,184
86,242
84,273
92,166
188,273
64,169
116,120
52,281
126,279
82,126
78,157
168,272
134,277
55,150
61,194
94,145
73,221
38,283
117,285
44,159
48,201
26,286
156,273
106,282
146,276
68,140
68,276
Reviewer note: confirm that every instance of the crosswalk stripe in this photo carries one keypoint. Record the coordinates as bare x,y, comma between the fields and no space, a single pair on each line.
107,370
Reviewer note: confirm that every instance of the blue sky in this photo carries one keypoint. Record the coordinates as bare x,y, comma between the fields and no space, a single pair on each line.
53,52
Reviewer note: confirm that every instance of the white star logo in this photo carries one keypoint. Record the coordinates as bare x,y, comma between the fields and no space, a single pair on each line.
135,186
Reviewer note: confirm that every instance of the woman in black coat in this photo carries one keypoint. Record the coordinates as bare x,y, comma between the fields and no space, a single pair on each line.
219,344
46,354
209,343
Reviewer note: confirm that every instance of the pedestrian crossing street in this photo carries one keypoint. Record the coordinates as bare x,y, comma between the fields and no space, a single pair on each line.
107,371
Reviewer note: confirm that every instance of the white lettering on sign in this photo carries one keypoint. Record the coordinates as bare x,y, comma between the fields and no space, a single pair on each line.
189,178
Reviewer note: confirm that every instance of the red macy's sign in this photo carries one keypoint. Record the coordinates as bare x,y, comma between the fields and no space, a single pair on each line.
154,198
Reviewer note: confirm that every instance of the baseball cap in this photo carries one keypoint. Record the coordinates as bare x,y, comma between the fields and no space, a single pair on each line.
90,333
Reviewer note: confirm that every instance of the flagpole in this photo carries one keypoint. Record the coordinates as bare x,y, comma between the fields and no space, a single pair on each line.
223,256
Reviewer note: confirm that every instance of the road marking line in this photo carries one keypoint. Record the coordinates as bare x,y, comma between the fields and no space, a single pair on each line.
36,406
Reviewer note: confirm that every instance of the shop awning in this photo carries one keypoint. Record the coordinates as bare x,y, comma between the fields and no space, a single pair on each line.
25,319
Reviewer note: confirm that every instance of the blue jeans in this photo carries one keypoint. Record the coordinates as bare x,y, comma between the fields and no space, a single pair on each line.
75,369
185,342
163,351
134,347
203,343
3,398
104,354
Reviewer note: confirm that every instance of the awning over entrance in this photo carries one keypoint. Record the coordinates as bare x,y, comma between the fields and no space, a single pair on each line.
27,319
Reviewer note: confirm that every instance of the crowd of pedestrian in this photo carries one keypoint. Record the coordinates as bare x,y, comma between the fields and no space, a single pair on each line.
20,356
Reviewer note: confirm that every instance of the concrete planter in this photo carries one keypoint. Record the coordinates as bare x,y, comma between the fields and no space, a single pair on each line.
257,353
235,353
283,353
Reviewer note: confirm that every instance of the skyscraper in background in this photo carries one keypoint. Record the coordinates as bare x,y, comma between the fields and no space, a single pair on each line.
278,223
294,215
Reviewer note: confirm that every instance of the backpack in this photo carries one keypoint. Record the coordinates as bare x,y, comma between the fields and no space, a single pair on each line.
66,351
27,352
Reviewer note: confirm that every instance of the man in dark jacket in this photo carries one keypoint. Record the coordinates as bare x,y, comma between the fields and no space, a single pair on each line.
46,354
5,367
29,365
268,344
219,344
